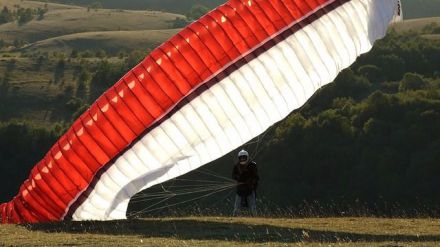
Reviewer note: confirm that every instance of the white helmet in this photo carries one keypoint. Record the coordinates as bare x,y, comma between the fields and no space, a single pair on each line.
243,157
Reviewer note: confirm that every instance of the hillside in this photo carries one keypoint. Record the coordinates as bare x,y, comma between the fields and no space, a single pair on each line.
412,8
63,20
38,4
415,25
224,231
174,6
109,41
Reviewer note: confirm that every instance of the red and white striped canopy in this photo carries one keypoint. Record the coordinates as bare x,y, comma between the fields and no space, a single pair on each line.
217,84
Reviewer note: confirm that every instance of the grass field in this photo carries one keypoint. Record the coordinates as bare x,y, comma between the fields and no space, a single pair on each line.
223,231
65,28
109,41
36,4
411,8
174,6
65,19
415,24
33,92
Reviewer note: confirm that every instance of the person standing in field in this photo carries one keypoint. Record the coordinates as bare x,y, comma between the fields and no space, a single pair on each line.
245,172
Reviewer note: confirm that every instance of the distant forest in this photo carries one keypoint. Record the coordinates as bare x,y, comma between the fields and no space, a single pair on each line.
411,8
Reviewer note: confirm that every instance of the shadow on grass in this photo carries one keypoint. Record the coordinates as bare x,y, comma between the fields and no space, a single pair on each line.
186,229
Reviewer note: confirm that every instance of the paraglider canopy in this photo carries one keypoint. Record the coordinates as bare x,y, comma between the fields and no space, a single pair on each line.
217,84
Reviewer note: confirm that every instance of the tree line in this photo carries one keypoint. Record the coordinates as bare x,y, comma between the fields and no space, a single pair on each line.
21,15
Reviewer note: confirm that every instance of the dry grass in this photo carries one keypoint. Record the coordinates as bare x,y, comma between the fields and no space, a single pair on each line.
32,92
432,36
110,41
415,24
223,231
65,19
36,4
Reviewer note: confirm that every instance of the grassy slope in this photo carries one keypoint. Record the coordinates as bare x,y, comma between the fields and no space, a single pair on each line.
222,231
32,91
415,24
110,41
65,28
63,19
174,6
411,8
36,4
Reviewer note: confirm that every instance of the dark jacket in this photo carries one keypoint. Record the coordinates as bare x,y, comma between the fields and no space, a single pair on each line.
246,177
